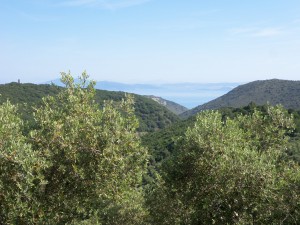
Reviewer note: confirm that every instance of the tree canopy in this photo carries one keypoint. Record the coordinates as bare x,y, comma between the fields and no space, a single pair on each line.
79,163
230,172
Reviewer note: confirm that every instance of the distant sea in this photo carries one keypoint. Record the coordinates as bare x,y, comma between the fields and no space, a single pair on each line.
189,95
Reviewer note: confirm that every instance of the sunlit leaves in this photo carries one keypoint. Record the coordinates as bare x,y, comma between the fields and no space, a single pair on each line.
20,166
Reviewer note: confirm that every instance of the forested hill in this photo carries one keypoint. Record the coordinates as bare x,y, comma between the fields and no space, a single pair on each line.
152,115
284,92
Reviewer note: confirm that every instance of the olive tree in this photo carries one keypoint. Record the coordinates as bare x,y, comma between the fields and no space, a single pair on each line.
94,157
80,164
230,172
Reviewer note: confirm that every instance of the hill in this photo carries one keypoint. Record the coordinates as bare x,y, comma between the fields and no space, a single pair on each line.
152,115
172,106
284,92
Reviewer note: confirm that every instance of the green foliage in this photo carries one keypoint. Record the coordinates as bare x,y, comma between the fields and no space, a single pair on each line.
162,143
20,167
293,151
230,172
81,163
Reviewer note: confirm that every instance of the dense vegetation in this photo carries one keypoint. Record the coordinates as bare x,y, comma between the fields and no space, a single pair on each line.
230,172
81,163
284,92
162,143
151,115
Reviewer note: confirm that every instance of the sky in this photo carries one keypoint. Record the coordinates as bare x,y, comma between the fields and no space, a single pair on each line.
150,41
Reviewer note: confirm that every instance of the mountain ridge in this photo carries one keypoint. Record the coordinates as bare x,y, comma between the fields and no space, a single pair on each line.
274,91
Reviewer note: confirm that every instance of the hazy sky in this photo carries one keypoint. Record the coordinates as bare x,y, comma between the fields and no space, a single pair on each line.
150,40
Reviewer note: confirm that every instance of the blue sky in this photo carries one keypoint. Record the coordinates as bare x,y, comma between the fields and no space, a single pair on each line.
140,41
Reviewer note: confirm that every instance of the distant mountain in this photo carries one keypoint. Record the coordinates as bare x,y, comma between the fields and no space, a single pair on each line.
284,92
152,115
172,106
188,95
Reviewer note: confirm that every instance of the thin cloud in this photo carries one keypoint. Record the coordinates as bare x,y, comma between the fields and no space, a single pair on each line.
182,26
205,12
238,31
104,4
268,32
258,32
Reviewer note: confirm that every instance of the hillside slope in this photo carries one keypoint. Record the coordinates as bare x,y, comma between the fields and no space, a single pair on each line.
273,91
152,115
172,106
